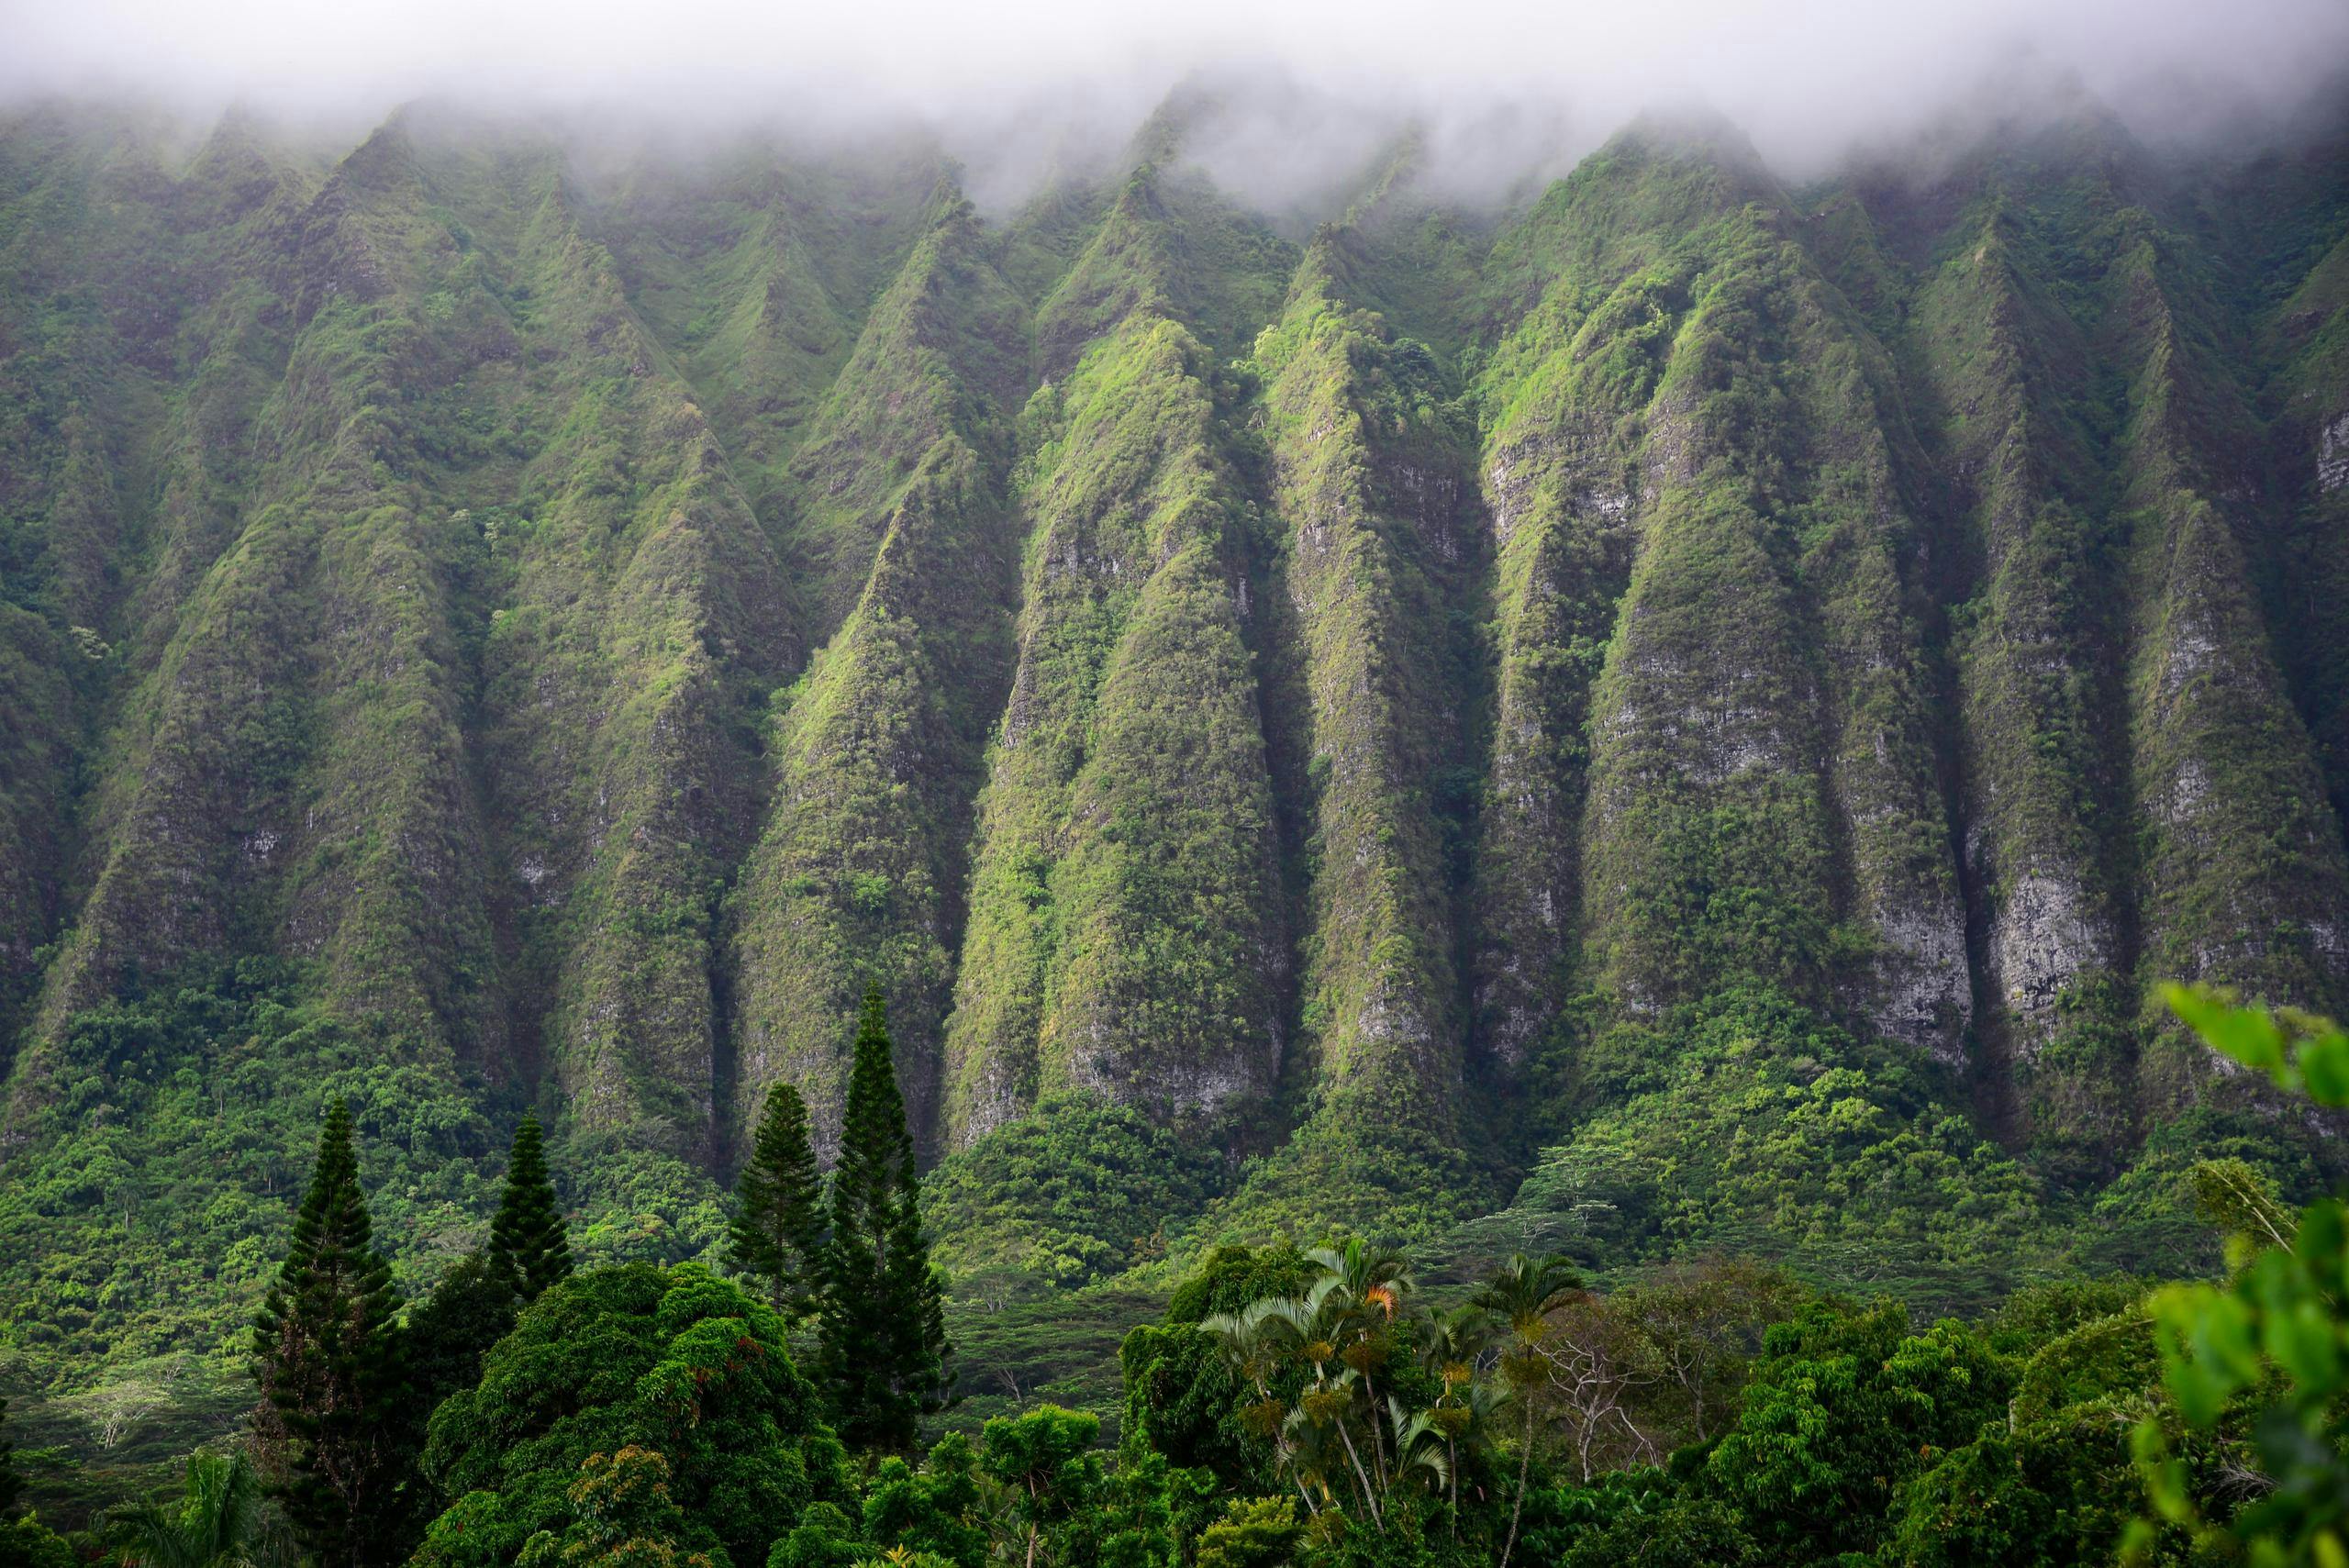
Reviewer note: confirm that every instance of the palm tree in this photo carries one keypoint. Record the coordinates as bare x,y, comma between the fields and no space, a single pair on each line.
1420,1451
1450,1352
1340,1335
1362,1292
1325,1403
1306,1452
1259,1342
219,1521
1523,1294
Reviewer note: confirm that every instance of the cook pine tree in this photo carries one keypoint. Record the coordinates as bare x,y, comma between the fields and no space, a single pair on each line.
778,1234
328,1355
529,1242
882,1319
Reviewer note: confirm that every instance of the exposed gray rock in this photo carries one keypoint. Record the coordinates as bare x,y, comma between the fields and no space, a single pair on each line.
2042,939
1925,997
2332,454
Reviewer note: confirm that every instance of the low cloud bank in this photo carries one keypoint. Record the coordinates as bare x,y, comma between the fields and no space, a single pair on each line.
1300,95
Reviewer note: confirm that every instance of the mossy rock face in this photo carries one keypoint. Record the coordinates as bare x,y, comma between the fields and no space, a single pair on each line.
489,622
1713,738
1378,539
858,875
1120,940
2119,632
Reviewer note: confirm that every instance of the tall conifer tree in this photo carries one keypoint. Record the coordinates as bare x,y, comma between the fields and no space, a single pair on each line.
328,1360
778,1231
884,1325
529,1241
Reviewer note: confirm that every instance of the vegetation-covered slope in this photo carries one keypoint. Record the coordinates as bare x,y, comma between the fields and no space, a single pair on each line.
1719,698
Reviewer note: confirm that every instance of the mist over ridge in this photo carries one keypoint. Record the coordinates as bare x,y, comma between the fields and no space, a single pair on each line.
1289,107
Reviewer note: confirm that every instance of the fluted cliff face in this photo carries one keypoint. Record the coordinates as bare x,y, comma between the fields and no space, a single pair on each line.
1319,690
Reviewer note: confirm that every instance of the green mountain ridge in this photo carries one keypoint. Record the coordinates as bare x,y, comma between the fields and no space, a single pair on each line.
1685,715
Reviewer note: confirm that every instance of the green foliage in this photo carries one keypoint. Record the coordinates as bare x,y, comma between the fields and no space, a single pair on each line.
1230,1278
669,1360
1121,893
1327,1380
1859,1439
1169,246
1036,1490
1599,694
883,1322
1369,697
878,745
2301,1053
331,1363
933,1511
622,1516
1079,1192
778,1231
1978,1504
824,1538
146,1214
1673,1531
1183,1397
28,1541
1521,1296
529,1242
449,1331
1356,1171
12,1486
1842,1409
1046,1463
2269,1351
1255,1532
1749,1124
219,1521
1696,452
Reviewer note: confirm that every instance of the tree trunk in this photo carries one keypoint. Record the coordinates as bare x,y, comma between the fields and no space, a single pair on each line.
1369,1499
1524,1468
1452,1460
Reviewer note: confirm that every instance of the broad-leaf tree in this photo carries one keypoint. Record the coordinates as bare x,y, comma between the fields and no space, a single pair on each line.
2269,1350
673,1359
12,1486
472,1308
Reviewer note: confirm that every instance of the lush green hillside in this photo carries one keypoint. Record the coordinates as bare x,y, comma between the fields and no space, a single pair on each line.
1685,715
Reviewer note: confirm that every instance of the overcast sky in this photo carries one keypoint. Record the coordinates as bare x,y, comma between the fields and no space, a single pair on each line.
1807,79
